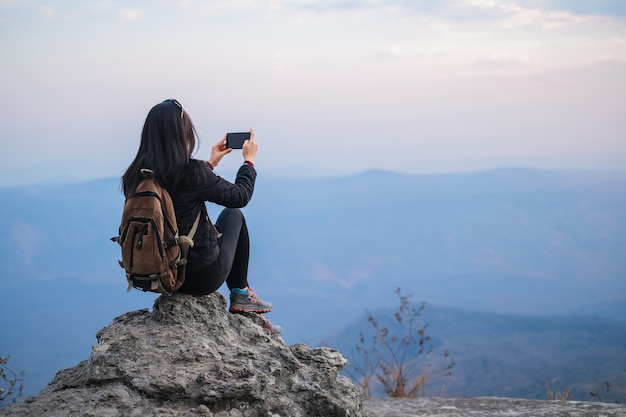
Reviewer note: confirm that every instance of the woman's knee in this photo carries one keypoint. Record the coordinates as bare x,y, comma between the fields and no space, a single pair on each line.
233,212
229,216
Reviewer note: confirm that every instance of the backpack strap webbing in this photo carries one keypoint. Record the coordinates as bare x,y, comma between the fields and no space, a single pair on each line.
186,241
192,232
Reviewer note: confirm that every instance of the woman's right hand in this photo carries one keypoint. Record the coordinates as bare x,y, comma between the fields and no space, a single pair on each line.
250,148
217,152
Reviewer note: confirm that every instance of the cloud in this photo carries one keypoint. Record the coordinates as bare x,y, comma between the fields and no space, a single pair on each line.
47,11
505,37
588,7
520,17
129,15
323,273
510,15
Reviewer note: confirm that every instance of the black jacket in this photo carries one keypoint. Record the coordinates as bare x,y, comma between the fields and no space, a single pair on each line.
202,184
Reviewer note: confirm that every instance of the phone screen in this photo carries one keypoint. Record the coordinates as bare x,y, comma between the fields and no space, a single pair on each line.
236,140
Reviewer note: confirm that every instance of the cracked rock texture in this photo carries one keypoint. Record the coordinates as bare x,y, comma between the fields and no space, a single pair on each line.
190,357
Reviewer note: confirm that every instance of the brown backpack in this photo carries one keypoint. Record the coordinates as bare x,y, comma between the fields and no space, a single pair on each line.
153,254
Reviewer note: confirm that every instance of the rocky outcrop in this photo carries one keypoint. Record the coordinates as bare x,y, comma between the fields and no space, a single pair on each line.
190,357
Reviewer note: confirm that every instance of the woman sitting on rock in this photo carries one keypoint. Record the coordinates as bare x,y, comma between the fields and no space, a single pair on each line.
221,251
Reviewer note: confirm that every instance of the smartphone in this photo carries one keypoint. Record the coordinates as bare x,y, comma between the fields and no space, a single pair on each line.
236,140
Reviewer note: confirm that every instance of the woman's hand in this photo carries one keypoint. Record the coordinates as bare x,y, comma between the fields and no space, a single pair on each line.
218,151
250,148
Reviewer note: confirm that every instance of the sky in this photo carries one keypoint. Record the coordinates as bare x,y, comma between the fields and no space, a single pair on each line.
330,86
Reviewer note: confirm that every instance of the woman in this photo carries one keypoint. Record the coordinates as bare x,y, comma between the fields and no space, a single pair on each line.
220,253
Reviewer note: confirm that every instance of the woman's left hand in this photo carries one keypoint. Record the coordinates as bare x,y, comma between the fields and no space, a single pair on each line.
218,151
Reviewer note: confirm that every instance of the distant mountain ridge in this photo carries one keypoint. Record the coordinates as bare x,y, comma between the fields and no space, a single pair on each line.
323,249
509,240
503,355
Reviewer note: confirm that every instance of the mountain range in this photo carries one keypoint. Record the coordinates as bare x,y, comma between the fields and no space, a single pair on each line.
511,242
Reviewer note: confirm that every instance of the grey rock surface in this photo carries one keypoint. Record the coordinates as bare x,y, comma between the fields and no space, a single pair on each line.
190,357
490,407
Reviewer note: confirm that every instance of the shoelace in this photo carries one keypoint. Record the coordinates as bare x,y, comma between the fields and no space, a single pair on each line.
252,295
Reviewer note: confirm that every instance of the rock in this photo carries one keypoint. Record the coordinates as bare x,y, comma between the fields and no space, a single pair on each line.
190,357
490,407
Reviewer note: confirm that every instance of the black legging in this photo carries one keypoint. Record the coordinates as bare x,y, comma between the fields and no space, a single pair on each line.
231,264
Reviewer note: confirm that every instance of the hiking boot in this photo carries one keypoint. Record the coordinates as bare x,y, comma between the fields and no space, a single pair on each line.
246,301
269,327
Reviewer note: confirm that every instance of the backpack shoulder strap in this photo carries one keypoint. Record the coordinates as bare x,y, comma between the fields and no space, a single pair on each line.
192,232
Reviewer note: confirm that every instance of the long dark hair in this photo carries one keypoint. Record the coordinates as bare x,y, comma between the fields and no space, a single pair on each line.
167,140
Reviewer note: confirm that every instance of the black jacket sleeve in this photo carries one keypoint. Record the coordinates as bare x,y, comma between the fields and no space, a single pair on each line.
216,189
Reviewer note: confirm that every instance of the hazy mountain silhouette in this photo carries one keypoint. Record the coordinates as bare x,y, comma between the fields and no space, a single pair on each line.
507,355
324,249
